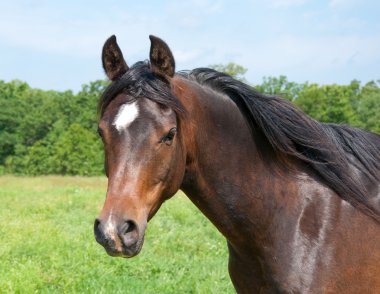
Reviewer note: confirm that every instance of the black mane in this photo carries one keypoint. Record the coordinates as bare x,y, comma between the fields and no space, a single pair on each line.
330,150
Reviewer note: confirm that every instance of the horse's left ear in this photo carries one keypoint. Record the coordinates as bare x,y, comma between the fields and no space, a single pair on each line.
161,58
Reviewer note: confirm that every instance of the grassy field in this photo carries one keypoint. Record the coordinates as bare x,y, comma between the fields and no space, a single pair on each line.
47,243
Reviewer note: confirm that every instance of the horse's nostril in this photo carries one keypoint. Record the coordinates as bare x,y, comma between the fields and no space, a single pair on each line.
129,227
99,235
128,233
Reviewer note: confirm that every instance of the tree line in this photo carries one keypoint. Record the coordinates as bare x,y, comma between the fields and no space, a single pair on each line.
51,132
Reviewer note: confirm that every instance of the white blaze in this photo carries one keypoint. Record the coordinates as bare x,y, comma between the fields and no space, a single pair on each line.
126,115
110,228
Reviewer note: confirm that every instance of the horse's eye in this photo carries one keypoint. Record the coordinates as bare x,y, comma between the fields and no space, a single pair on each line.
168,138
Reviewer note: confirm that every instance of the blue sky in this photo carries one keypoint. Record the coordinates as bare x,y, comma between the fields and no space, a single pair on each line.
57,44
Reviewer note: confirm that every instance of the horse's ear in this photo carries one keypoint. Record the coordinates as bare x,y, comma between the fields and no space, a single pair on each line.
161,58
113,61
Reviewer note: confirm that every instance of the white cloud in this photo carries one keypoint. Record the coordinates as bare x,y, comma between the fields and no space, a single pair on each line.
309,57
187,56
44,30
193,13
286,3
340,3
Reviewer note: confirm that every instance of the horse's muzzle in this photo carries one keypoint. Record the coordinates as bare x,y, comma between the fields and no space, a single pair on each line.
124,239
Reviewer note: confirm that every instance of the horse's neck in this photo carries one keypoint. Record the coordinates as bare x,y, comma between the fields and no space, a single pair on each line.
226,178
274,221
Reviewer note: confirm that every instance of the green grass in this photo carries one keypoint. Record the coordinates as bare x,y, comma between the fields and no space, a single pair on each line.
47,243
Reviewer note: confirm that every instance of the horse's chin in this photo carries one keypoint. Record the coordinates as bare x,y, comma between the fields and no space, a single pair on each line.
126,251
129,253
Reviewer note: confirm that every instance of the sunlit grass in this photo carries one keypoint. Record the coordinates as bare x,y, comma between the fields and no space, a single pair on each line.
47,243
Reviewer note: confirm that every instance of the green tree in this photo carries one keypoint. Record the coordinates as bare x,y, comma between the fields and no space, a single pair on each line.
73,151
78,152
330,103
11,115
280,86
234,70
35,128
368,106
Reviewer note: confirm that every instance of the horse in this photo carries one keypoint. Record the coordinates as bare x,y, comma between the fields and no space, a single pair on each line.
296,199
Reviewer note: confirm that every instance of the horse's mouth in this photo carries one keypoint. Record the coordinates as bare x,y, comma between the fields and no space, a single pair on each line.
125,251
131,251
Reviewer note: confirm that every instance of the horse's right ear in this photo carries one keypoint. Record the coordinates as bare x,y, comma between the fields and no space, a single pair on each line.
161,58
113,61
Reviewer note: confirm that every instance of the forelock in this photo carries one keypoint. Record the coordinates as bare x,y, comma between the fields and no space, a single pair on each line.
139,81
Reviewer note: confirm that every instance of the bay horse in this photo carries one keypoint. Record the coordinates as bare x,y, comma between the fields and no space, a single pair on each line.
296,199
